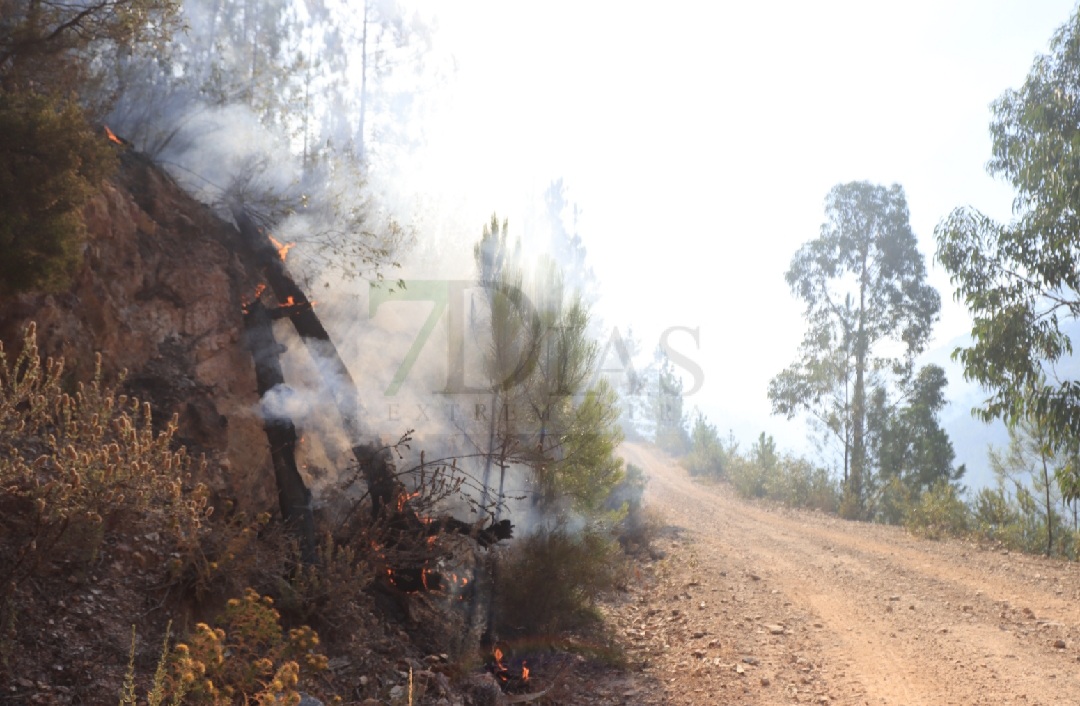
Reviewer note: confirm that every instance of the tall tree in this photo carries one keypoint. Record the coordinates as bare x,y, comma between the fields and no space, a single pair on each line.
512,341
1021,280
57,47
863,281
820,383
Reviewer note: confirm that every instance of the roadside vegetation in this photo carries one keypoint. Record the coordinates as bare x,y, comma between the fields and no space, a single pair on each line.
869,311
1025,510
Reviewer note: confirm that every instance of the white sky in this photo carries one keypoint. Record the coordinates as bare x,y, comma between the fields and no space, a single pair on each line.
700,140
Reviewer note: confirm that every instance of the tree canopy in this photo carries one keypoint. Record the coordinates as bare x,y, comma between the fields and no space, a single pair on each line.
1021,280
869,312
909,442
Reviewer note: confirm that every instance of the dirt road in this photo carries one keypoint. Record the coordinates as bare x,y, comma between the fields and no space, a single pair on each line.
754,605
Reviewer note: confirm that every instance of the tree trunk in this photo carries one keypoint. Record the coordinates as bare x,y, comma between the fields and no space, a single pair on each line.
858,406
1049,508
361,146
294,498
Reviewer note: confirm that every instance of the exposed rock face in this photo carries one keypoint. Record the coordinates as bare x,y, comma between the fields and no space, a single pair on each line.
159,295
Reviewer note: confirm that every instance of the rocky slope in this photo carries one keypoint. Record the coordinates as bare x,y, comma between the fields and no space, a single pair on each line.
159,294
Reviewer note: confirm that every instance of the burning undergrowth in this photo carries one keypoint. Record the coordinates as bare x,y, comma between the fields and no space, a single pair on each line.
420,528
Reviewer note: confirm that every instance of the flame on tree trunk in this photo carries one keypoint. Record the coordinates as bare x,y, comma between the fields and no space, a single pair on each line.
389,497
374,465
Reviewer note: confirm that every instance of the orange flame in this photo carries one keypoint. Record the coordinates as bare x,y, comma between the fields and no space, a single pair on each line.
402,498
498,659
112,135
245,303
524,671
282,248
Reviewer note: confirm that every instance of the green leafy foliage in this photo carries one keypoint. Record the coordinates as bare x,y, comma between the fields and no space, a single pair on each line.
589,471
54,58
50,163
551,580
764,453
706,456
563,431
864,285
1029,493
910,443
789,480
540,361
748,478
939,512
908,446
1019,280
796,482
639,526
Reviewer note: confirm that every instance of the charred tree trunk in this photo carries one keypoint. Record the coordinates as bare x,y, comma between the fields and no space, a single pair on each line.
388,495
294,498
374,462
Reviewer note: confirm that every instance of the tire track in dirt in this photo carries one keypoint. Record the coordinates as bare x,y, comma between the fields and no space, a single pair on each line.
883,617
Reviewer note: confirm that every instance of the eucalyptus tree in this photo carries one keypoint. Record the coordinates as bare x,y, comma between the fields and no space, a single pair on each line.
1021,280
870,312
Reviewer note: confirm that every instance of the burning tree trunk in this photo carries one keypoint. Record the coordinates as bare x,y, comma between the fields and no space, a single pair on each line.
378,473
294,498
389,497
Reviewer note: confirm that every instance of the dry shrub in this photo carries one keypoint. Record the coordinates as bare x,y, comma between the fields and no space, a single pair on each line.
331,592
247,659
637,528
76,467
548,582
640,532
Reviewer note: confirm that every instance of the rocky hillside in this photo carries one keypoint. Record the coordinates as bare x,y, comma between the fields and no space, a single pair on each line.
159,296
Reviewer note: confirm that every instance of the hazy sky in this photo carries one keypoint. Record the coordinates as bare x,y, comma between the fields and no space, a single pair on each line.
700,140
